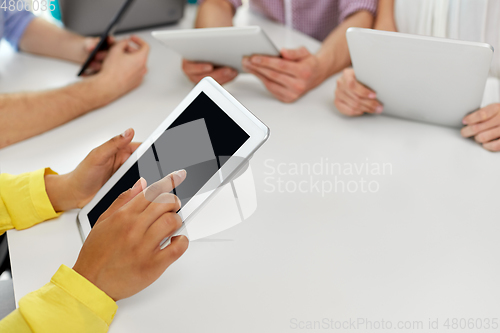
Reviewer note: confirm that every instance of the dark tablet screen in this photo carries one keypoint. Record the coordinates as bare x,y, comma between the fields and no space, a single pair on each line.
200,141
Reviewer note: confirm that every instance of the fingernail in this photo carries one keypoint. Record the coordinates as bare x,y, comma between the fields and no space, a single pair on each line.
137,184
256,60
207,68
379,109
246,61
372,96
180,173
127,133
464,122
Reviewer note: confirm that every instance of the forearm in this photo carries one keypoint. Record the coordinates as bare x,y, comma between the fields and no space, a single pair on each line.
385,16
58,191
334,53
215,13
23,115
44,38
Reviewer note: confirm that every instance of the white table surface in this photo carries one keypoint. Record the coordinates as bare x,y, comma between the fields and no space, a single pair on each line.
424,246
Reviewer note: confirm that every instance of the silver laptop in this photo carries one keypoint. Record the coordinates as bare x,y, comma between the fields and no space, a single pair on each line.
91,17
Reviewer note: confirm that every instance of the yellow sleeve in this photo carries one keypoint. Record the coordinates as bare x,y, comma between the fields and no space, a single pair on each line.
69,303
24,201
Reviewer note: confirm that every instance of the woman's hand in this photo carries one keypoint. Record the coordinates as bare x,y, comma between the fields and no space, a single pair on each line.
484,126
77,188
122,254
354,99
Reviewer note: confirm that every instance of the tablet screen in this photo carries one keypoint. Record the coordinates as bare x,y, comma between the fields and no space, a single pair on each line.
200,141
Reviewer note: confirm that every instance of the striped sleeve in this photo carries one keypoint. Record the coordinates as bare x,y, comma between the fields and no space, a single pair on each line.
349,7
15,24
235,3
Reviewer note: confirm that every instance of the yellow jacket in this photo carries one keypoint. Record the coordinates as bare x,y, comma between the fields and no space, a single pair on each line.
69,302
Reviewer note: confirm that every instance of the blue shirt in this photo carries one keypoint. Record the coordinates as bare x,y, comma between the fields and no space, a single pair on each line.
13,24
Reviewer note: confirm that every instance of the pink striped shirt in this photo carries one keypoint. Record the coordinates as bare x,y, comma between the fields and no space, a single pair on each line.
316,18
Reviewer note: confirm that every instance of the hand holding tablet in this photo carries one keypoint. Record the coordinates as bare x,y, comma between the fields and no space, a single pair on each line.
223,52
149,212
216,52
354,99
77,188
127,264
210,134
291,76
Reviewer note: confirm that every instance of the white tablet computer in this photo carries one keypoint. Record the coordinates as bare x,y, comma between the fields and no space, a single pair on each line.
429,79
219,46
210,135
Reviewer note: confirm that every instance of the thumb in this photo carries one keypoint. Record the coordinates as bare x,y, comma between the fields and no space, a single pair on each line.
111,148
295,54
138,41
123,199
